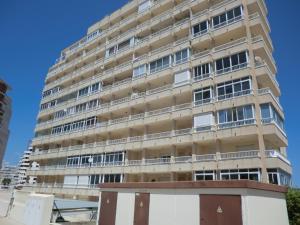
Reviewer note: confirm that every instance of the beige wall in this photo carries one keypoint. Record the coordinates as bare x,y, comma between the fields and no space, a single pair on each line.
175,209
263,208
125,209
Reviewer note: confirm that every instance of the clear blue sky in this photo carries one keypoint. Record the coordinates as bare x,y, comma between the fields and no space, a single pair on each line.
33,32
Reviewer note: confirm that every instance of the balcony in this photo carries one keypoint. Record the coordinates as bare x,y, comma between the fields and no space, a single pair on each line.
197,55
170,164
266,77
276,154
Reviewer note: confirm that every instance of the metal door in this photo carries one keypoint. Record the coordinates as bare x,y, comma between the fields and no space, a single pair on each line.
108,208
141,209
220,210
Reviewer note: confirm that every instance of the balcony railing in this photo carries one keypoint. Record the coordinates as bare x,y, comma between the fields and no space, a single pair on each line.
240,155
276,154
264,91
176,160
164,110
161,31
236,123
270,73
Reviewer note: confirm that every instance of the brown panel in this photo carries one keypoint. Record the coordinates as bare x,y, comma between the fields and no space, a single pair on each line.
220,210
108,208
141,209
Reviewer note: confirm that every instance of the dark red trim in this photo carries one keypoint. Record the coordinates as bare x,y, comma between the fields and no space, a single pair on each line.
197,184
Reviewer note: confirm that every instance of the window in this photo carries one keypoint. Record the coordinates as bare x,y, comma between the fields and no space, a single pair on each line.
269,115
205,175
91,122
95,87
112,178
200,29
97,159
202,96
52,103
231,63
47,93
114,158
111,51
93,104
56,130
85,160
73,161
80,108
144,5
234,88
60,114
202,71
182,77
95,179
228,17
123,45
44,106
66,128
182,56
204,121
238,116
273,176
160,64
241,174
83,91
140,70
93,35
51,92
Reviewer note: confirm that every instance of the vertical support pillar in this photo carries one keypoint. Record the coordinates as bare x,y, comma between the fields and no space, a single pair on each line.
218,158
261,143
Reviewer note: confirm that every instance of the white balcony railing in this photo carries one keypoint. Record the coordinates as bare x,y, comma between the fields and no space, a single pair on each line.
168,160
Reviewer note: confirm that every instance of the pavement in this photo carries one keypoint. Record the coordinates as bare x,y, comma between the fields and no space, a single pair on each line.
4,202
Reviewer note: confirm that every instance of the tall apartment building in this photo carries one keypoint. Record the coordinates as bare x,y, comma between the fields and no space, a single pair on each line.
163,91
5,114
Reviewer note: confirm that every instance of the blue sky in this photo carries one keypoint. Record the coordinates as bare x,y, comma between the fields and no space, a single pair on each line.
33,32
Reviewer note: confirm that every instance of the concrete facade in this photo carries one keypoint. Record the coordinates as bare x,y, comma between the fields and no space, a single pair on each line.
160,91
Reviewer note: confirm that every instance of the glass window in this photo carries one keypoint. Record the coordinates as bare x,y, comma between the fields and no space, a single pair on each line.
159,64
205,175
236,116
234,88
231,63
181,56
140,70
83,91
242,174
228,17
202,96
201,71
95,87
200,28
124,44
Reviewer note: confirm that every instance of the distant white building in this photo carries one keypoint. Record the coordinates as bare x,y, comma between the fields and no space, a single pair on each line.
23,166
9,172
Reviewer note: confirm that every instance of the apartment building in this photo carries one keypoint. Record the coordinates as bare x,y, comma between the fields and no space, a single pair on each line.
162,90
10,172
5,114
23,166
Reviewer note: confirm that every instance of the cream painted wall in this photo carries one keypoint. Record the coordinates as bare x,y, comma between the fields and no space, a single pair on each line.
38,209
125,209
264,209
174,209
